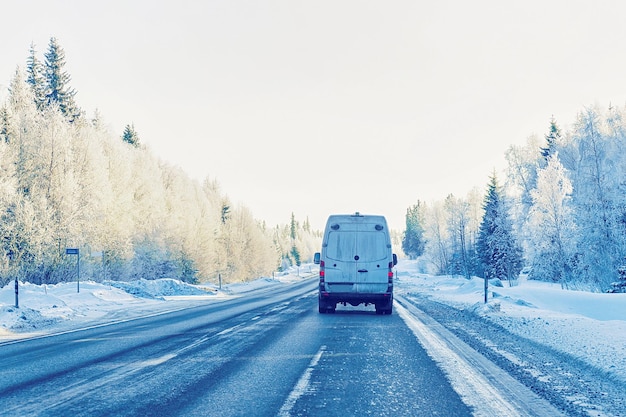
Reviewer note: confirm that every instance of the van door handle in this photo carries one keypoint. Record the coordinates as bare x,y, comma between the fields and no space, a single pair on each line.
362,270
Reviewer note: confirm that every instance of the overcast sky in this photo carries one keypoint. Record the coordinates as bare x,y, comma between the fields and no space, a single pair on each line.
320,107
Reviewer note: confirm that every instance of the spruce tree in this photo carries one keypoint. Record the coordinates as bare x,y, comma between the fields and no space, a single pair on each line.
225,212
552,139
293,227
130,136
498,251
58,90
293,234
36,78
413,242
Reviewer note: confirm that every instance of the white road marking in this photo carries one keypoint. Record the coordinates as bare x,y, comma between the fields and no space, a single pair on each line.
156,361
301,386
472,384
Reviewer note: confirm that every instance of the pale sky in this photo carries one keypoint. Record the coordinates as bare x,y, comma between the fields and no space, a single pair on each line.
319,107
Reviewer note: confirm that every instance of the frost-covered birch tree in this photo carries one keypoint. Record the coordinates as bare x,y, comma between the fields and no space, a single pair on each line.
552,225
598,199
437,250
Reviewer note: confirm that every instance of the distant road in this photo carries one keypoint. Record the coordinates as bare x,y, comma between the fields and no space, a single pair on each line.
268,353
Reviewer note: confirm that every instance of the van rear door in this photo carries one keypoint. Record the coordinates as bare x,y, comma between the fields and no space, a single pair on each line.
371,259
340,265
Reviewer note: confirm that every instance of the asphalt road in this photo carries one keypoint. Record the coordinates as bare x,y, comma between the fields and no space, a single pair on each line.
268,353
264,354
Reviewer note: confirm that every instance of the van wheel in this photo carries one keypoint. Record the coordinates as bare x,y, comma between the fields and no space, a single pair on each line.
321,308
324,307
384,310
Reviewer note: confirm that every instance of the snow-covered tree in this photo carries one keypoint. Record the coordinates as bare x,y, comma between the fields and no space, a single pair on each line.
413,242
6,125
598,197
438,249
58,90
523,163
68,184
497,248
552,141
552,224
459,231
130,135
293,233
35,71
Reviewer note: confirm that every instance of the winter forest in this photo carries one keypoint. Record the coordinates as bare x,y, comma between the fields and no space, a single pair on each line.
68,182
560,212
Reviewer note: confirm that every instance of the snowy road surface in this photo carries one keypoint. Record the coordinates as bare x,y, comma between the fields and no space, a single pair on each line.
270,353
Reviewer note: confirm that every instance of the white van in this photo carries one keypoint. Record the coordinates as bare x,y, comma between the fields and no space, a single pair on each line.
356,263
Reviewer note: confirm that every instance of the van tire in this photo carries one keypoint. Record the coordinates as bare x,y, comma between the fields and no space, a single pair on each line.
324,307
385,309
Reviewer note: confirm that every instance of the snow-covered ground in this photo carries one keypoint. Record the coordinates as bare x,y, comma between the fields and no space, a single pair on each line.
587,325
45,309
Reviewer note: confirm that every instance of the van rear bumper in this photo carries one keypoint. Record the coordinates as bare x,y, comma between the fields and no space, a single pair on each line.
355,298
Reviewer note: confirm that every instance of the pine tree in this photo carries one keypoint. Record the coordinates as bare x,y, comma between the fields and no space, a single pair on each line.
36,78
413,242
497,249
130,136
58,90
293,227
225,211
552,140
293,234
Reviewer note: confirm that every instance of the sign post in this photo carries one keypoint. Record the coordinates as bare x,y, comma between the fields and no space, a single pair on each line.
17,290
75,251
486,286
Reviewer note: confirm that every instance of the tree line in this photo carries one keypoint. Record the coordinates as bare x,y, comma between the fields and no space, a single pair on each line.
66,181
561,211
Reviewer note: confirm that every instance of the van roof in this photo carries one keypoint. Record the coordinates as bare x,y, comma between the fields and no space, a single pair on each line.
356,218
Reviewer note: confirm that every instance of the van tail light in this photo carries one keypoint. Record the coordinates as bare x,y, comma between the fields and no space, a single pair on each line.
322,271
390,273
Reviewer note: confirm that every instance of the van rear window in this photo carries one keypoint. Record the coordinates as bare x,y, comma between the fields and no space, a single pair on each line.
369,246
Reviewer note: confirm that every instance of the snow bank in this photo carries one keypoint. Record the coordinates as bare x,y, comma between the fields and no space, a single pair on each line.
52,308
589,326
158,288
